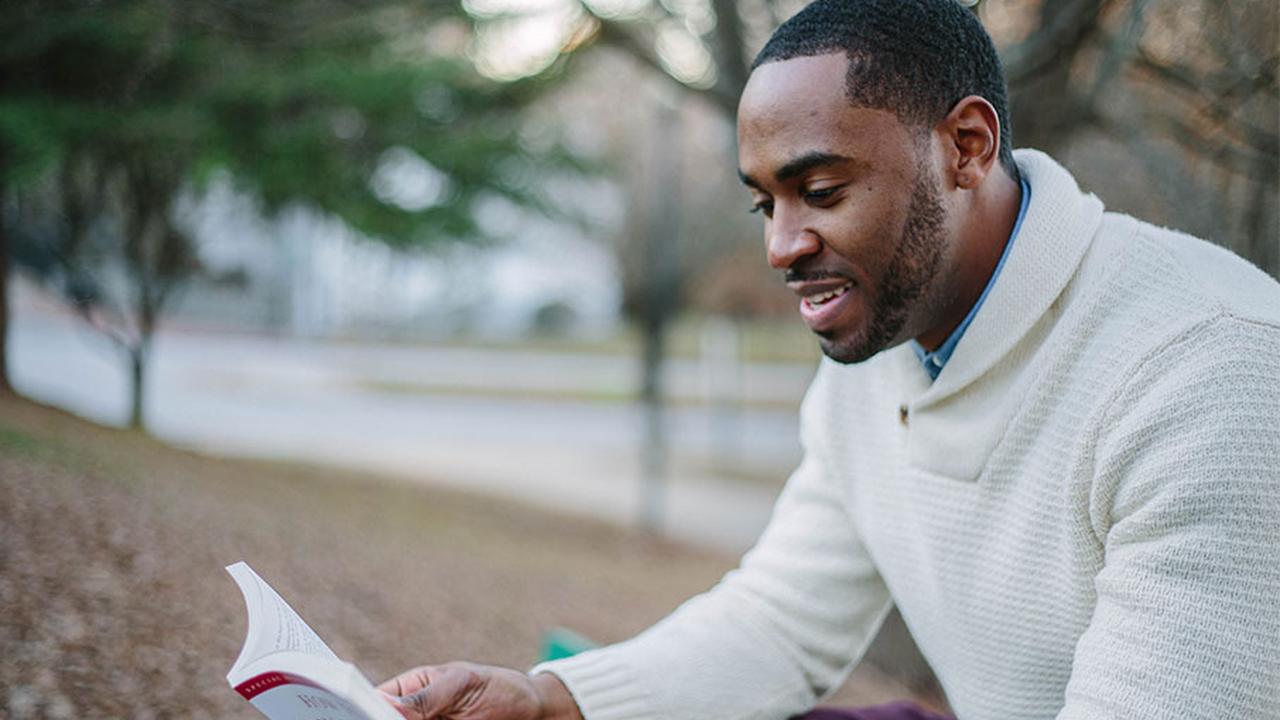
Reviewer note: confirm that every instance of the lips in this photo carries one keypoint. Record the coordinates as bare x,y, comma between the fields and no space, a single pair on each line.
823,298
824,302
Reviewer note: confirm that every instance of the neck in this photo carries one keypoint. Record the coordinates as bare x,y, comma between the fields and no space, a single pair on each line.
990,220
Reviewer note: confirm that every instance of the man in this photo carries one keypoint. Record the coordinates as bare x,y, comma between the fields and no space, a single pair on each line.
1049,434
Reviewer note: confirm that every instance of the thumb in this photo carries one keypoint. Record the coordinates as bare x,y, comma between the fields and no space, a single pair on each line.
444,687
392,700
419,705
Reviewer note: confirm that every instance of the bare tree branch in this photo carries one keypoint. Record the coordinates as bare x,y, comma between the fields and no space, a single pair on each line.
1186,79
1263,250
729,49
624,36
1120,49
115,335
1216,110
1069,24
775,12
1227,155
621,36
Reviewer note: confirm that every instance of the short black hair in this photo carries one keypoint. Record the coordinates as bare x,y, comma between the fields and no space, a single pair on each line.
915,58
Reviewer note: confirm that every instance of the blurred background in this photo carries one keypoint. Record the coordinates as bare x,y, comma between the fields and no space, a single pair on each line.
462,292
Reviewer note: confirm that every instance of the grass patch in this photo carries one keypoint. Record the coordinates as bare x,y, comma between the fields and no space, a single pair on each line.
15,442
112,546
56,451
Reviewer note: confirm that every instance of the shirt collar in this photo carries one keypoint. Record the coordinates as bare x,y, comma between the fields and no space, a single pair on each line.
934,361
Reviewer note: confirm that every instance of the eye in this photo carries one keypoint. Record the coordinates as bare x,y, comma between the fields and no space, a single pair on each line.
822,197
763,206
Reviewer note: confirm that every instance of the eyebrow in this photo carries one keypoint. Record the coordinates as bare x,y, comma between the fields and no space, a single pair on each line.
798,166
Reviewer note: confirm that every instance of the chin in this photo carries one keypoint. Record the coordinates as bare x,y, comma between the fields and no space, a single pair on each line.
865,341
848,350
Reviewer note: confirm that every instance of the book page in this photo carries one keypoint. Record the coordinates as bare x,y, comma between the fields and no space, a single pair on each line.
285,669
281,695
273,625
290,686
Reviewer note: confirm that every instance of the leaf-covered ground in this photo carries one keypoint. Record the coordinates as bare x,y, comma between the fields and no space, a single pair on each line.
114,602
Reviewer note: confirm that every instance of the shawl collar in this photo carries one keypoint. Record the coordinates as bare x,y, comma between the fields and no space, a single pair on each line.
1060,224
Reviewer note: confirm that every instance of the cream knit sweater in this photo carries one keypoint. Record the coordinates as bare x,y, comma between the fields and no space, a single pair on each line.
1080,518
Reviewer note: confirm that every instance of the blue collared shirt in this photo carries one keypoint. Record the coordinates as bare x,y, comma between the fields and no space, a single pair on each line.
934,361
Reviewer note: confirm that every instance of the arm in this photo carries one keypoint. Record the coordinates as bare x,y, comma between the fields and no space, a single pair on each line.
766,642
1187,504
771,638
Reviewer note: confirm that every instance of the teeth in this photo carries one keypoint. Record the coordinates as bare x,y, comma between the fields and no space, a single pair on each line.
823,298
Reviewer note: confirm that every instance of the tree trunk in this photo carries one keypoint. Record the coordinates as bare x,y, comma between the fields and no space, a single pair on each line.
5,387
150,304
137,386
654,454
1263,247
662,268
730,52
1044,104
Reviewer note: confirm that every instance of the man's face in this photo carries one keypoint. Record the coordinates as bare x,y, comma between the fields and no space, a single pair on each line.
851,203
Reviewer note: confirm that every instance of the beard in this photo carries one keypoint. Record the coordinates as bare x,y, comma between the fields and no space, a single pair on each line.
907,279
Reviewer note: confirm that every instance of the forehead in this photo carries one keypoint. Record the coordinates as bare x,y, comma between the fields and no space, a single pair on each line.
800,106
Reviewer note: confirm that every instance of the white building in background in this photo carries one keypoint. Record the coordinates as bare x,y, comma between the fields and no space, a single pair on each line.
310,275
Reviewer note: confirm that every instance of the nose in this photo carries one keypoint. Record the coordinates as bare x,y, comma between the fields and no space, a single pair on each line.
787,242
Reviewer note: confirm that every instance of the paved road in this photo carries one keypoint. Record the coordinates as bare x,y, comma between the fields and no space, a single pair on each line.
485,420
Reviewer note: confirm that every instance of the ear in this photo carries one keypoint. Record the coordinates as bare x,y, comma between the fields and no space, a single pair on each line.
971,134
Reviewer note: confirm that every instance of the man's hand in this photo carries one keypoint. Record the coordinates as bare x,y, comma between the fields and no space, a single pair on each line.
464,691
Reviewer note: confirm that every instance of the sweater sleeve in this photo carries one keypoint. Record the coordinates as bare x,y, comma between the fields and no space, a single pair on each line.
771,638
1186,504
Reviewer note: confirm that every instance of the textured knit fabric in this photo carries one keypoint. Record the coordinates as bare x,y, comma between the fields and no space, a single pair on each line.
1080,518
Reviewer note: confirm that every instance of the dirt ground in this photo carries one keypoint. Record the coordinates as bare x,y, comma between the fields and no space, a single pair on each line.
114,602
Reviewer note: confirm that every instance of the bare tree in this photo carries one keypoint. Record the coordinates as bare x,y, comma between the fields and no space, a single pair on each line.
115,251
1140,75
297,101
1183,94
5,387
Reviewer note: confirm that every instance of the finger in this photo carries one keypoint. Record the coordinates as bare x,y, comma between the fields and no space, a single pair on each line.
445,687
418,705
407,683
394,702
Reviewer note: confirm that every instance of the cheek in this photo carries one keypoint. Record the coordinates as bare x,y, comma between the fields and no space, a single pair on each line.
868,230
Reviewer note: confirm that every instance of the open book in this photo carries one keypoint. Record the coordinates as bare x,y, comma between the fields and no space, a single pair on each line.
285,669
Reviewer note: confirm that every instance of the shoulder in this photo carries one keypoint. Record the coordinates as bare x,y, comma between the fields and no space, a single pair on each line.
1196,323
1158,264
1146,296
1179,342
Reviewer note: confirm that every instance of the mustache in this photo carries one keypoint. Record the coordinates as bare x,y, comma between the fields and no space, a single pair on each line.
797,275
